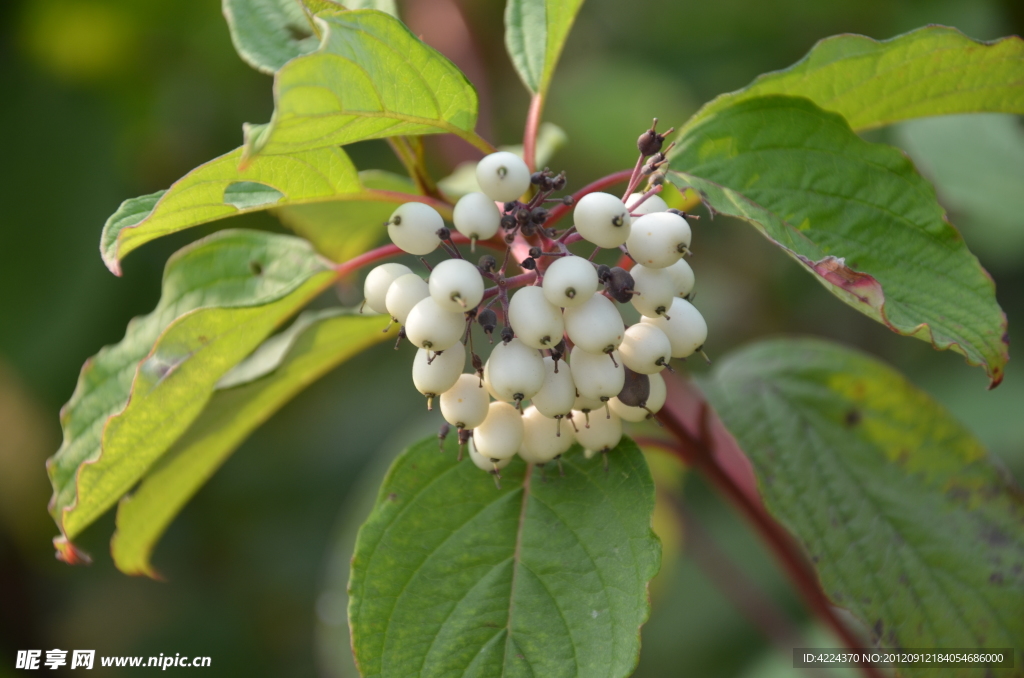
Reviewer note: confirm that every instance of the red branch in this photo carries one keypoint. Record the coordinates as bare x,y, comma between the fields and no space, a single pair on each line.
604,182
530,132
704,444
389,251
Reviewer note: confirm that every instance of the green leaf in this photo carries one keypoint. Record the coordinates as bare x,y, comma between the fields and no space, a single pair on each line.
856,214
930,71
221,297
219,189
314,344
907,521
535,33
976,162
343,230
452,576
371,78
269,33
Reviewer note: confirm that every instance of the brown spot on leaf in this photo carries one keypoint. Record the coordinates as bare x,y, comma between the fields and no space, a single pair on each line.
392,497
996,578
852,418
861,285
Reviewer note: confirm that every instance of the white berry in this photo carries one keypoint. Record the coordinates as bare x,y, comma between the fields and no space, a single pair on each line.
501,433
655,401
536,322
485,464
489,387
652,204
503,176
602,219
543,438
603,434
684,326
682,277
375,288
558,394
435,373
464,405
476,216
586,405
405,292
515,371
655,290
658,239
596,325
598,376
430,326
456,285
645,349
569,281
413,227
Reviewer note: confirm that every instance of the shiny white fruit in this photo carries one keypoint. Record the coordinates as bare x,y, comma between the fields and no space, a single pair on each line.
476,216
585,405
655,401
413,227
655,290
598,376
596,325
684,327
501,433
682,277
558,394
405,292
515,371
602,219
485,464
375,287
652,204
430,326
464,405
543,438
490,387
604,433
569,281
645,349
658,239
503,176
536,322
435,373
456,285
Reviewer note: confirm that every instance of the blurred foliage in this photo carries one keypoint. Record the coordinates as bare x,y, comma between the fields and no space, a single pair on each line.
108,99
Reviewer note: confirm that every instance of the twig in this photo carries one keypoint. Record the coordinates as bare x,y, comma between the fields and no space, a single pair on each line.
706,454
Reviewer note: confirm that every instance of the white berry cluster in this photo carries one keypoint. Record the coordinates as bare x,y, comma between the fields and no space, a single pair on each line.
567,369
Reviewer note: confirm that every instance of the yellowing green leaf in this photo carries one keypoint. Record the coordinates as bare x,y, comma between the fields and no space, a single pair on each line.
371,78
323,340
221,297
907,521
219,189
930,71
341,230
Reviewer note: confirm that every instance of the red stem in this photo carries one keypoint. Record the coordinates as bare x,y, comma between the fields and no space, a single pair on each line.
604,182
388,251
530,132
725,466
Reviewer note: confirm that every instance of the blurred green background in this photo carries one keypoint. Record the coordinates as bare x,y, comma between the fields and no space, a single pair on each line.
101,100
